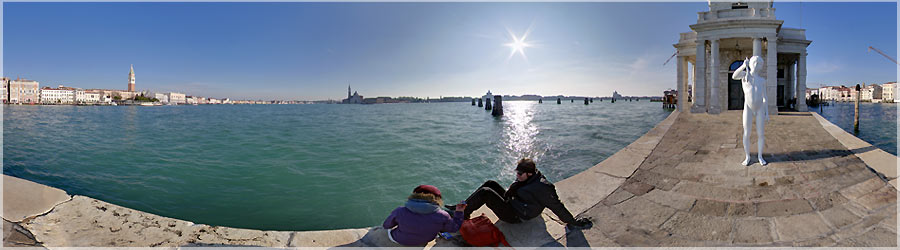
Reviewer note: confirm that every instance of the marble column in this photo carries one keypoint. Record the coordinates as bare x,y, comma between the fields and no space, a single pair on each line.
714,102
757,47
690,79
792,81
801,82
791,74
682,90
789,89
699,105
771,61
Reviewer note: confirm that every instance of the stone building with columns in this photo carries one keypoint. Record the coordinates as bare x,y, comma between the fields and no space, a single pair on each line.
717,45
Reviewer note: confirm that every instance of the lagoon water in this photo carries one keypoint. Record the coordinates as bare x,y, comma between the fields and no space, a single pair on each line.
304,167
877,122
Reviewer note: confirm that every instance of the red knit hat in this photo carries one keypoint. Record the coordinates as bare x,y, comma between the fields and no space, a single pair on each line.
428,189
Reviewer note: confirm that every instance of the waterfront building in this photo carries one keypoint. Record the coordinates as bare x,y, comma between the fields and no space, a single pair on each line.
888,91
870,93
61,95
823,93
104,93
104,98
616,95
194,100
176,98
830,93
810,92
840,94
127,94
162,97
524,97
131,79
355,98
79,96
24,91
848,94
214,101
718,44
5,82
89,97
123,95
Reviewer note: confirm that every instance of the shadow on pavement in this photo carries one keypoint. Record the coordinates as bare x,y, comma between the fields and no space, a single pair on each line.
806,155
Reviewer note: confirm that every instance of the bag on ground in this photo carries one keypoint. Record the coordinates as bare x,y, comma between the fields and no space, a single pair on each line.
481,232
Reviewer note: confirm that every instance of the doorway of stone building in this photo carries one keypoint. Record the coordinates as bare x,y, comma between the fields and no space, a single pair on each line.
735,92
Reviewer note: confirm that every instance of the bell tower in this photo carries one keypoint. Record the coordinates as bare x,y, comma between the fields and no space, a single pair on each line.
131,79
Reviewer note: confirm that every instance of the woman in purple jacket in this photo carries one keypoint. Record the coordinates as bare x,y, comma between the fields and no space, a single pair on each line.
421,218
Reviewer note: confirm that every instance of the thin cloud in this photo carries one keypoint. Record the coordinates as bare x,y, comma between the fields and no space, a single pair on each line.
824,66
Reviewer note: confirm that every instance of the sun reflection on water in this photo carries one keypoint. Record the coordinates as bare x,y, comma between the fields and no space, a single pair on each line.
519,137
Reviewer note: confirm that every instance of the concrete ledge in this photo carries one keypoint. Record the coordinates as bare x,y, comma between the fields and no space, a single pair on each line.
584,190
882,162
23,199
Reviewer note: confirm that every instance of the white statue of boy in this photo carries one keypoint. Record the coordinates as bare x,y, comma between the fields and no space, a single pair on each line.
755,104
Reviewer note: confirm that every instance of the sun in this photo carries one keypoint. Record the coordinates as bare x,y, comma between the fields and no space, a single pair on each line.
517,45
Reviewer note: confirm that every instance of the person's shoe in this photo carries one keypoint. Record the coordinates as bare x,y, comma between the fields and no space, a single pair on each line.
582,223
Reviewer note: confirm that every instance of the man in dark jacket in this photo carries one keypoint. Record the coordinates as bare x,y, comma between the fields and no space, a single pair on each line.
525,199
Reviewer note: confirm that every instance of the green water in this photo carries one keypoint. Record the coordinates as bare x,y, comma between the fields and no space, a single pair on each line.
304,167
877,122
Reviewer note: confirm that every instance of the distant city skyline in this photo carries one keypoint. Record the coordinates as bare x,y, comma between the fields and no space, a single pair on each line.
312,51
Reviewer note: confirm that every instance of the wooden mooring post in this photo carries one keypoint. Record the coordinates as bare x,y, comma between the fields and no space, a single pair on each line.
856,115
487,104
473,102
586,101
498,106
480,104
558,100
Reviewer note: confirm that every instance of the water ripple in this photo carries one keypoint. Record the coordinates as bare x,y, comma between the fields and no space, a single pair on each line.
303,167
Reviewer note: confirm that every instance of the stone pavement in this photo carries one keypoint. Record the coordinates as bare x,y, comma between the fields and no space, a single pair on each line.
693,191
16,236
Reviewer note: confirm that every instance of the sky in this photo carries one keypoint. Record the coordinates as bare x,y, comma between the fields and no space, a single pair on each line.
312,51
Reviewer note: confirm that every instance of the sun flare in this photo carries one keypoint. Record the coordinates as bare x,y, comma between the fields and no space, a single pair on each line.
517,45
